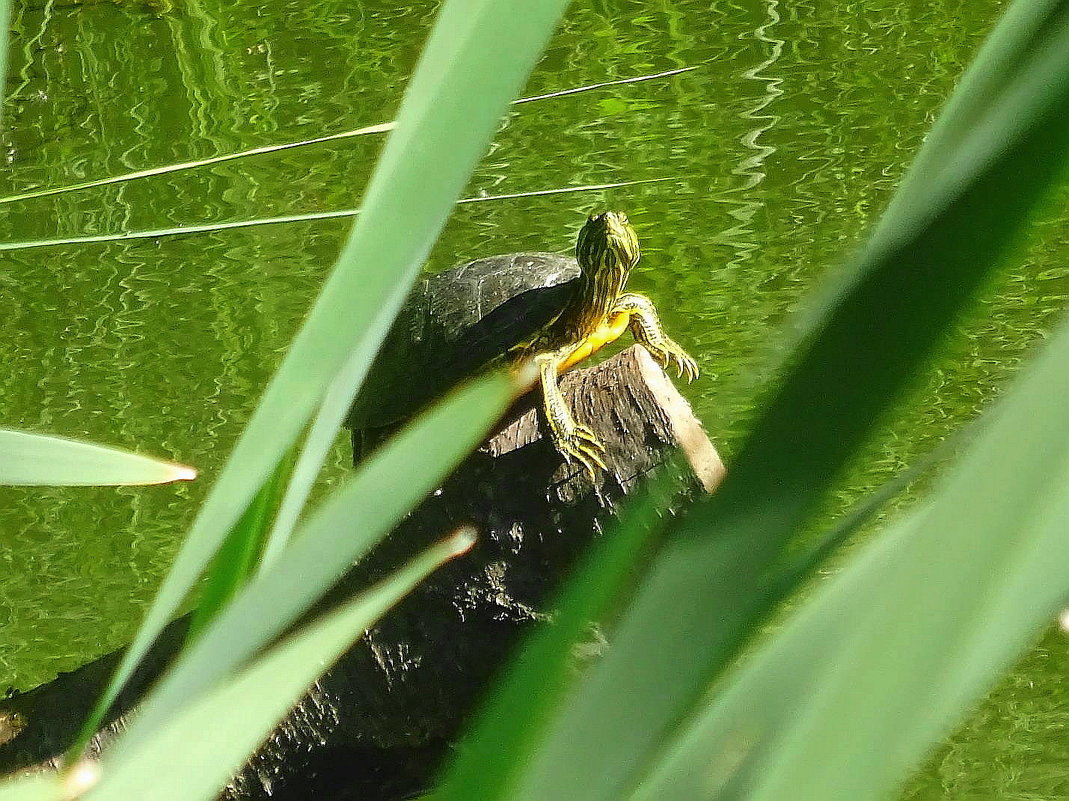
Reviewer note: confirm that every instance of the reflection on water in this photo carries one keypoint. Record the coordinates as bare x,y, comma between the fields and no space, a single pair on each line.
742,204
784,145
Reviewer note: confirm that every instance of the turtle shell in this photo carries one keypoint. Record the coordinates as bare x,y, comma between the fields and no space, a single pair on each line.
457,323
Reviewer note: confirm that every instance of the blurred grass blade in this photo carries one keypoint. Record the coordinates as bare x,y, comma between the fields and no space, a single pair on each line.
5,30
358,515
785,581
535,684
186,230
865,345
1024,26
240,554
887,656
28,459
47,787
201,745
799,569
478,56
382,127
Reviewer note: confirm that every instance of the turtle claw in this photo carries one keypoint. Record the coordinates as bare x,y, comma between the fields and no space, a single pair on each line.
582,446
686,365
670,355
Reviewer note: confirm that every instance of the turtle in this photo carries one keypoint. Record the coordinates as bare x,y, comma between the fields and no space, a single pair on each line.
547,308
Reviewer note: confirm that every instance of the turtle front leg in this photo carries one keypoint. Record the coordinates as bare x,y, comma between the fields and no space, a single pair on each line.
574,440
647,330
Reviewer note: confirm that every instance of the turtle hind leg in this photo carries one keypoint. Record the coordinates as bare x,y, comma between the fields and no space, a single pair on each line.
574,441
647,330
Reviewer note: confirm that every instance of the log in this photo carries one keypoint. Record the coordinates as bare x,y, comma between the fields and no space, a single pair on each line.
377,724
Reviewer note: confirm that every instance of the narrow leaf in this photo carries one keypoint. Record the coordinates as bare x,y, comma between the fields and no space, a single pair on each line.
41,460
241,552
186,230
544,669
409,197
48,787
203,744
865,342
5,30
165,169
321,436
886,657
356,516
382,127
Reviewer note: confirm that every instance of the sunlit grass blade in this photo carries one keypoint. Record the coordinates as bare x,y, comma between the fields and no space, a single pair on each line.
866,342
201,745
28,459
38,454
316,445
357,516
535,684
5,30
165,169
185,230
241,552
34,788
603,85
880,662
382,127
449,112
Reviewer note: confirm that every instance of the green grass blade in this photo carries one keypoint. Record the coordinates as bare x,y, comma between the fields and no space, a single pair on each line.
800,569
165,169
185,230
28,459
478,56
5,30
382,127
884,658
537,687
25,459
357,516
602,85
202,745
536,683
1023,27
320,439
34,788
866,344
240,555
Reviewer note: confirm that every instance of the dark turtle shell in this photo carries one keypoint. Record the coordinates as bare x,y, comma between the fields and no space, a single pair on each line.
458,322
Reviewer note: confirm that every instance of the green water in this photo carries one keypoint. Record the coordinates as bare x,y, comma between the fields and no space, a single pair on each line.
783,146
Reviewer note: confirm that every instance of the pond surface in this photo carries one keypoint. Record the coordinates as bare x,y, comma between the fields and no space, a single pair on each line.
782,147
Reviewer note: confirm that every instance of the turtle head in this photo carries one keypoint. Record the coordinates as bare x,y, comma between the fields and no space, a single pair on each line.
607,242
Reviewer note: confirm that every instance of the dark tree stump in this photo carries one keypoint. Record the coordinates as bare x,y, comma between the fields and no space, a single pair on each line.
377,723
